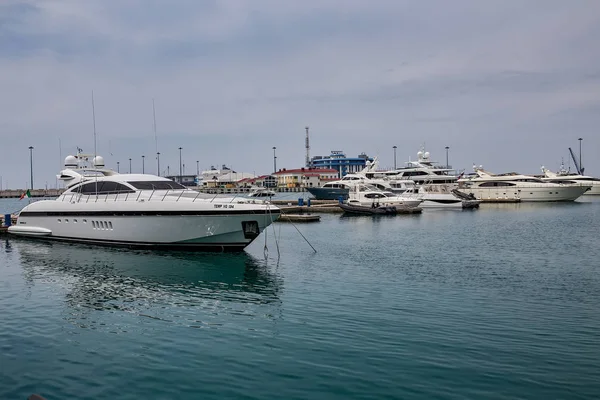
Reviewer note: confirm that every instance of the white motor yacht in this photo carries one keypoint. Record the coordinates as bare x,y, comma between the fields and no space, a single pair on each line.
257,191
442,196
564,176
421,171
100,206
368,195
516,187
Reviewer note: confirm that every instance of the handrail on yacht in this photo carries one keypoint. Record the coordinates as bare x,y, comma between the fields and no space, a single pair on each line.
198,194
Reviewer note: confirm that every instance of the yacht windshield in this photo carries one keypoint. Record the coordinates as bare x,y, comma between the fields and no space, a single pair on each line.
156,185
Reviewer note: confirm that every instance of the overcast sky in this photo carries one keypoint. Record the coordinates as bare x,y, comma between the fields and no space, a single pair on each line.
509,84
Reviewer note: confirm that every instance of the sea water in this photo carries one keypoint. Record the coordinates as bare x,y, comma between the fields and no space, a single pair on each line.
497,303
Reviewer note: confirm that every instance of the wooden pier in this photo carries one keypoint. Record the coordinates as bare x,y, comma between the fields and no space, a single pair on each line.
16,193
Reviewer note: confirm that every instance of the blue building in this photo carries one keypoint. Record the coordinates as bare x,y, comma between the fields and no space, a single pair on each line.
344,165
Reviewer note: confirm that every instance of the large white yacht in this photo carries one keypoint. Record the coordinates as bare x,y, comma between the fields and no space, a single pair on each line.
487,186
363,194
100,206
421,171
564,176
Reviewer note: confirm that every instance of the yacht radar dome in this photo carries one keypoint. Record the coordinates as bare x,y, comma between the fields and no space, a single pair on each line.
70,162
426,155
420,154
98,162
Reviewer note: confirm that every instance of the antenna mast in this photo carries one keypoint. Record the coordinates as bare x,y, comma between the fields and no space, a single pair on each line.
156,139
307,145
95,155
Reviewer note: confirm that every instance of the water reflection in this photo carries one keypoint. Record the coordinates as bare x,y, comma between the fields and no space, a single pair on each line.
98,279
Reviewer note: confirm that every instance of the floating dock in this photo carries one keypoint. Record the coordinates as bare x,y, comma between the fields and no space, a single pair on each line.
299,218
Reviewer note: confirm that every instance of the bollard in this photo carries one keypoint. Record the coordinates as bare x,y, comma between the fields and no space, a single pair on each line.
300,201
7,220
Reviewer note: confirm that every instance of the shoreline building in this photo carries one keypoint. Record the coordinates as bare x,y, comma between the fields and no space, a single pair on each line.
304,177
338,161
223,178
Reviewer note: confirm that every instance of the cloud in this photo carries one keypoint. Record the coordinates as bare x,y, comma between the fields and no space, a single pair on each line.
507,84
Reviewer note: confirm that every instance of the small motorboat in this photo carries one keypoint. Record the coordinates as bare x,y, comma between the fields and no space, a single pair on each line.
468,199
369,210
261,192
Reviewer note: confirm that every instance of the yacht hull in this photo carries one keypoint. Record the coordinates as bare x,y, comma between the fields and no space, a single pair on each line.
216,232
594,190
386,203
527,194
175,225
441,203
328,193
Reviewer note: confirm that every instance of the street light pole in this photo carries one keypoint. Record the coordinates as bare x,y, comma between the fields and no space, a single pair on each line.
580,159
143,166
31,165
158,163
130,165
180,166
118,169
447,164
197,168
274,160
395,147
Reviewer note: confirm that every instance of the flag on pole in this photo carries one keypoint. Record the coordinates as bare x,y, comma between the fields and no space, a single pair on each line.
27,193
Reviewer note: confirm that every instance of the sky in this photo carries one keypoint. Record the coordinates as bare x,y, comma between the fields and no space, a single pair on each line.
507,84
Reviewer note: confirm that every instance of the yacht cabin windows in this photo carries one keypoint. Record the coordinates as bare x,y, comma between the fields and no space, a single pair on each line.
494,184
156,185
103,187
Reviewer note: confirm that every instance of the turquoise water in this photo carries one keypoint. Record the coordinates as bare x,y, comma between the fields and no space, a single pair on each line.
498,303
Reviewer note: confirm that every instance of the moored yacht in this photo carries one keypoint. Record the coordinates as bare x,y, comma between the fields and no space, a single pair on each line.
100,206
516,187
442,196
363,194
422,171
341,188
564,176
261,191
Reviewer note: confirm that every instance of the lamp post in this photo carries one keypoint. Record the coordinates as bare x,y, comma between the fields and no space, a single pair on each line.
31,165
395,147
274,160
197,168
143,166
447,164
180,166
158,163
580,159
130,165
118,168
